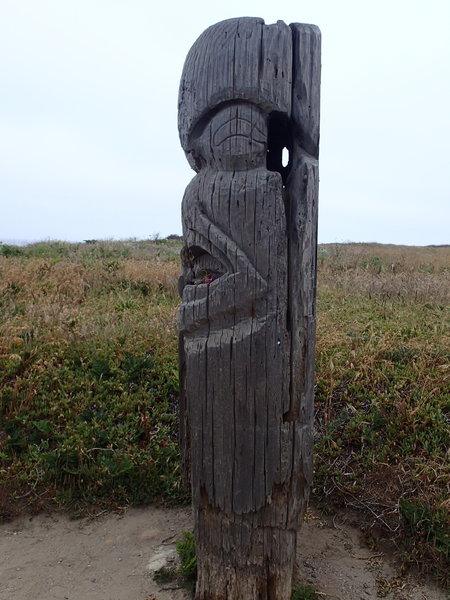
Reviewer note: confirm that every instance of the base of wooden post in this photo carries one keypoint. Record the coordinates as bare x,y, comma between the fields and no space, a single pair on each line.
238,559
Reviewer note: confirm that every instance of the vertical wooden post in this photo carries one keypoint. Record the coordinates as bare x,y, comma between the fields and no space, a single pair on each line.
247,320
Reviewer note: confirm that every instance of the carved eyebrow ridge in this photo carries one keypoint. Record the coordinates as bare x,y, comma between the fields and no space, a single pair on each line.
235,135
253,128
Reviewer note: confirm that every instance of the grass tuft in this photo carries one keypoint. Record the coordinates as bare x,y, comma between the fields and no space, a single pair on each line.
186,573
304,592
187,553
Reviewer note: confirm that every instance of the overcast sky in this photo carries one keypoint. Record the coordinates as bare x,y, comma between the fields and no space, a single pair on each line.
88,116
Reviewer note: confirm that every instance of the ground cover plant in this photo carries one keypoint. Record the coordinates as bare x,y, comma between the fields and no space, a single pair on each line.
383,395
88,383
88,363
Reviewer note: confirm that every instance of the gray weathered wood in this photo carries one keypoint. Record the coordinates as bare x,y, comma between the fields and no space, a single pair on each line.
247,319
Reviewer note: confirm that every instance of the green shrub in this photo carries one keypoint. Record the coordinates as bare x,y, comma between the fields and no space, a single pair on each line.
7,250
304,592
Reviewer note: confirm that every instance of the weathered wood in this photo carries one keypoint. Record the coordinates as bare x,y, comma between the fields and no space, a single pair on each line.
247,318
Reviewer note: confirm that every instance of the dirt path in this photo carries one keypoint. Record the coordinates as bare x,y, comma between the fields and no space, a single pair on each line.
111,558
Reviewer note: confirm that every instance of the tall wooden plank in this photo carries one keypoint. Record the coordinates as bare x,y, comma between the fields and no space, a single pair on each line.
247,317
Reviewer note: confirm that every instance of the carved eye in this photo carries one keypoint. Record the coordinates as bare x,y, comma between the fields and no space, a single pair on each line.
239,127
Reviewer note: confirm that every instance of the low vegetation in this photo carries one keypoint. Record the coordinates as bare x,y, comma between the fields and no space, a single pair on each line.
383,393
185,573
89,386
88,360
304,592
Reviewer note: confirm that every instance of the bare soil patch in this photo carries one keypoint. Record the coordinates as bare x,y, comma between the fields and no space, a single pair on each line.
111,557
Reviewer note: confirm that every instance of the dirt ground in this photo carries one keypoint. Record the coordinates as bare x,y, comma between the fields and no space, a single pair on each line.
113,557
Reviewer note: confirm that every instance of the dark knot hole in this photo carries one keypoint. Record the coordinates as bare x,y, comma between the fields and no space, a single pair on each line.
279,145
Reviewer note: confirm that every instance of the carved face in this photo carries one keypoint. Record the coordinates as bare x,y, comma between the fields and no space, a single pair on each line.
235,139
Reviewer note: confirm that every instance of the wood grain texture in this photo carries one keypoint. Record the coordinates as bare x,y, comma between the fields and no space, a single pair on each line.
247,319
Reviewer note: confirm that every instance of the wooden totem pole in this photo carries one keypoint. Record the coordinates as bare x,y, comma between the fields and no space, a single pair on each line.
247,320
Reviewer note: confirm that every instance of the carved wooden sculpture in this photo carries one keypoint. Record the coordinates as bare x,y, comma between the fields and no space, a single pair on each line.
247,319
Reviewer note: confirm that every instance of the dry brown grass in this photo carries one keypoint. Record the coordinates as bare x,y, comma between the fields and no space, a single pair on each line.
55,299
407,274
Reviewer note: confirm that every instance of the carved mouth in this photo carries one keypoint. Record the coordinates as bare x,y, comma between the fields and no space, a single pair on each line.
205,277
200,267
201,291
215,294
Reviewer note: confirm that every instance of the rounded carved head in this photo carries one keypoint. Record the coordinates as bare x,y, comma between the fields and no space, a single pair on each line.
234,138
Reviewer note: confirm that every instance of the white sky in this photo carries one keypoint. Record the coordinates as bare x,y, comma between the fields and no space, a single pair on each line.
88,116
